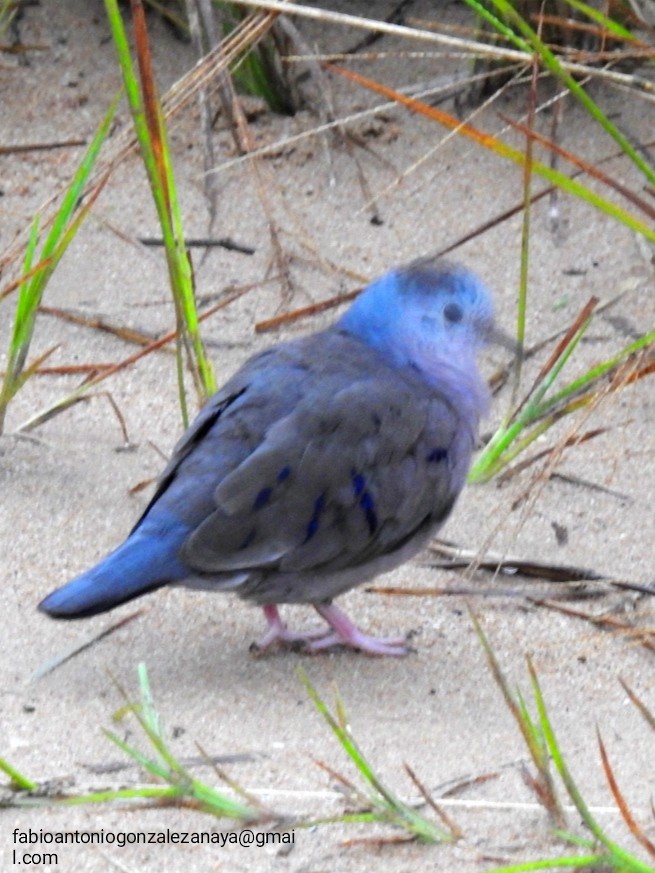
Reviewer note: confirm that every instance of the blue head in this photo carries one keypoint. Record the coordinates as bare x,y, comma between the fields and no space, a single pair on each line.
431,314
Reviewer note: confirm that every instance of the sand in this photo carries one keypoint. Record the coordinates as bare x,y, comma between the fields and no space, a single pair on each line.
68,490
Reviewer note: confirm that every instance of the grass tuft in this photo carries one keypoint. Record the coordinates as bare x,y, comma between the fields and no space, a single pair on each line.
538,732
38,270
151,133
180,788
17,780
378,802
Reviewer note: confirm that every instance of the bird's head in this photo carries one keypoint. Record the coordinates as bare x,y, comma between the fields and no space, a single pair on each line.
427,314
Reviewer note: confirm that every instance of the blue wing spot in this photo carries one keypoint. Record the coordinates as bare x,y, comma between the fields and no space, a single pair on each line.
359,482
365,500
368,505
248,540
284,473
437,455
262,498
314,521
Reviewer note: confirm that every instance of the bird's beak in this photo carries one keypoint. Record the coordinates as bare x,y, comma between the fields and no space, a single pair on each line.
499,337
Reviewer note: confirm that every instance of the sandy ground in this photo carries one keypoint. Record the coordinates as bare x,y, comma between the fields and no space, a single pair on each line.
66,494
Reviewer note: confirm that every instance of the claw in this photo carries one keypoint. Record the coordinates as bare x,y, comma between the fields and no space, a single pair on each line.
343,633
279,634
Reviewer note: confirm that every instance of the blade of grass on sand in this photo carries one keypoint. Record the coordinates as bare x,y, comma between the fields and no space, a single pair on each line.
153,141
67,221
521,309
182,788
384,805
16,778
610,376
635,829
617,857
537,412
550,62
543,746
530,729
561,180
639,703
495,454
579,863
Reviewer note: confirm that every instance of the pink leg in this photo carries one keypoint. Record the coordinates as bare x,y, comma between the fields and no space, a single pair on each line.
343,633
278,632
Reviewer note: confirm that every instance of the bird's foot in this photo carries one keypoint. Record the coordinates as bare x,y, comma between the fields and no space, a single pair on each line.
343,633
278,634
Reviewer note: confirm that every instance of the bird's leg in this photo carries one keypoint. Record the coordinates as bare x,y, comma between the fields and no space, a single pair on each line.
345,633
342,632
278,632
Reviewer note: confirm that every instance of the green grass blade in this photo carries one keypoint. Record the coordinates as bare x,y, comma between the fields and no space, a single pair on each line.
16,777
150,765
538,414
74,192
499,460
521,309
579,862
495,454
550,61
23,326
169,769
148,719
385,805
181,785
530,729
66,223
595,373
602,20
622,860
499,25
342,734
568,184
153,141
163,792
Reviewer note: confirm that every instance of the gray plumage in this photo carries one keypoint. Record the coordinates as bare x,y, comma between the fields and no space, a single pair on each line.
323,462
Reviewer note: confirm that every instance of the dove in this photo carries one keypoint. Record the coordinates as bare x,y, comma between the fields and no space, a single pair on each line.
323,462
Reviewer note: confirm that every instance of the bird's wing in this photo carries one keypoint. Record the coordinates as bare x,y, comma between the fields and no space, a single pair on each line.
335,459
230,426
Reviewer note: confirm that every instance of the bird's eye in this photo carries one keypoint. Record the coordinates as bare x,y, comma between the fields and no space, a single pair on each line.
453,313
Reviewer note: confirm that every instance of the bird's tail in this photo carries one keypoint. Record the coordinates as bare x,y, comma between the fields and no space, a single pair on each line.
141,564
